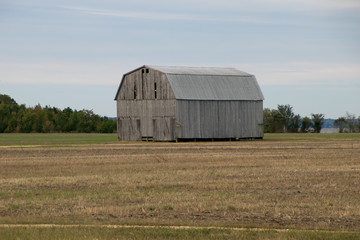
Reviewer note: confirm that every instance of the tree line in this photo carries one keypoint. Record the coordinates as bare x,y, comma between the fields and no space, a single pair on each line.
283,119
348,123
15,118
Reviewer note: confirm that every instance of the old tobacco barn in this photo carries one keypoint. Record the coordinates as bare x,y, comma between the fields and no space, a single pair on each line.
174,103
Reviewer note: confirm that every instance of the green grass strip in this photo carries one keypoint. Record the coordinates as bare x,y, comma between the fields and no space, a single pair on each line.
105,232
309,136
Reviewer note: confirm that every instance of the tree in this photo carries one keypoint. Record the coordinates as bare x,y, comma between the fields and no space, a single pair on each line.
38,125
5,114
48,127
351,122
273,121
282,119
294,124
287,116
340,123
72,123
318,121
348,123
12,125
28,121
267,120
305,124
6,99
106,126
87,121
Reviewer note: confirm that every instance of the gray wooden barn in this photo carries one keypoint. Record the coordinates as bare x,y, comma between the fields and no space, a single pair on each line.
173,103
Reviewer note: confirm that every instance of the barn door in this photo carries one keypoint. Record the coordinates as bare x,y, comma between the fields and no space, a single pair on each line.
135,129
164,129
129,129
146,119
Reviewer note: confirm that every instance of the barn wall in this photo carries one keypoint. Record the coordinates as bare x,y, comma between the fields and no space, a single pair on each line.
219,119
144,84
145,115
146,118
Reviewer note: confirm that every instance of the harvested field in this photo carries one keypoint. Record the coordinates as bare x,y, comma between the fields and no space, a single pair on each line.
300,183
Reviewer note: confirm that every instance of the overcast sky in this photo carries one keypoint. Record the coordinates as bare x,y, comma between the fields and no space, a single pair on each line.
304,53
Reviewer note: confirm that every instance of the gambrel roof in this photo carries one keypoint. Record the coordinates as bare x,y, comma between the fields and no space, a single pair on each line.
210,83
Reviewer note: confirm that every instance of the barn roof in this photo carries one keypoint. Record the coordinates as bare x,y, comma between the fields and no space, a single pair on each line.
199,70
209,83
205,83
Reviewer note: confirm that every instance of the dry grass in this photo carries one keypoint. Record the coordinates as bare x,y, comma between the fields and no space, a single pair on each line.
303,184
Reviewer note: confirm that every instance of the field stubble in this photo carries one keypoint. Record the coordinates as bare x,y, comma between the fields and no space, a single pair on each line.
306,184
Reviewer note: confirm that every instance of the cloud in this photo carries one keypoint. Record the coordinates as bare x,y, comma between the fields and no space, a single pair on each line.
158,15
315,5
277,5
201,16
243,5
139,15
306,73
237,11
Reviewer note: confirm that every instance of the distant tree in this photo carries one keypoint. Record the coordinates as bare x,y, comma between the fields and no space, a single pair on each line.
305,124
340,123
4,114
294,124
351,122
28,121
273,121
106,126
6,99
60,120
8,108
348,123
72,123
19,118
281,119
267,120
38,124
318,121
87,121
287,115
48,127
12,125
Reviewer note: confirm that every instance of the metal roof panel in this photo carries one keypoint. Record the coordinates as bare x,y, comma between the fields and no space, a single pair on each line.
215,87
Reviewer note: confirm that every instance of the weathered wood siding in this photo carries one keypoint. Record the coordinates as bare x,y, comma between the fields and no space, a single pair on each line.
150,114
144,83
219,119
